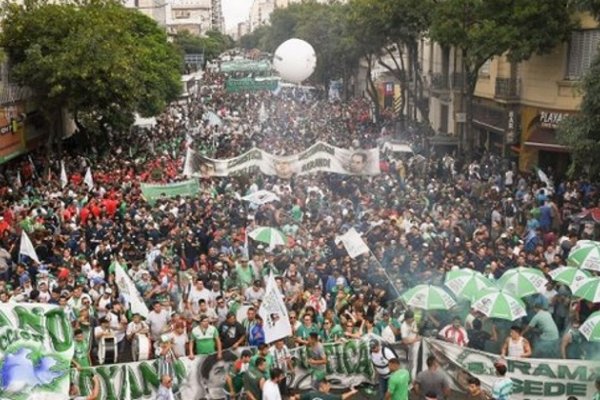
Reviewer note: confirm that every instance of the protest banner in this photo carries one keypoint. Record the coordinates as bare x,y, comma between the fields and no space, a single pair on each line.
534,379
36,348
250,85
353,243
320,157
348,364
152,192
274,312
130,293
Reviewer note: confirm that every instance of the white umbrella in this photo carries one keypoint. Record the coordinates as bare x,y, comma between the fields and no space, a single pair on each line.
261,197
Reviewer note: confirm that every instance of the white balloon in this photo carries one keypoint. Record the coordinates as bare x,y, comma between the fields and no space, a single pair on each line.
295,60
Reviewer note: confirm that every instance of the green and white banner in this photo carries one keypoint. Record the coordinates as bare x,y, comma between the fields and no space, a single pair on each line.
348,364
320,157
36,348
250,84
153,192
534,379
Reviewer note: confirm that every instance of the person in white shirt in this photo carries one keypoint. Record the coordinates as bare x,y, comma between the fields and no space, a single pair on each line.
103,303
270,389
255,293
158,321
136,327
180,340
410,337
282,359
197,293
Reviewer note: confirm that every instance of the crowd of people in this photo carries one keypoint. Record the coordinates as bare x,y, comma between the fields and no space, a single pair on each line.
191,261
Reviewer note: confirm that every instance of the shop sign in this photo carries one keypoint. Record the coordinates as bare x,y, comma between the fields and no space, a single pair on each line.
551,119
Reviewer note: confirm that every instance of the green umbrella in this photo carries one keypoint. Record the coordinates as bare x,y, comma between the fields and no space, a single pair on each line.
523,281
428,297
497,303
466,282
591,327
570,276
270,236
585,254
589,290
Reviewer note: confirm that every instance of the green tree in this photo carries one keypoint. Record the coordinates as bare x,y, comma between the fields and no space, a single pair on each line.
393,29
581,132
482,29
97,59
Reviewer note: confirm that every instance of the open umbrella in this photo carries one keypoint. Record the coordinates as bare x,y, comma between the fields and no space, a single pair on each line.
467,282
261,197
585,254
589,290
523,281
270,236
428,297
495,303
591,327
570,276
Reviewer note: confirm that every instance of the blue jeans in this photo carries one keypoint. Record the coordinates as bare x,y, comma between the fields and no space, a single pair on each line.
383,384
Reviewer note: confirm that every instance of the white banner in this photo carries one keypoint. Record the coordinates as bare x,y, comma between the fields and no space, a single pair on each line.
353,242
36,348
273,311
534,379
129,291
320,157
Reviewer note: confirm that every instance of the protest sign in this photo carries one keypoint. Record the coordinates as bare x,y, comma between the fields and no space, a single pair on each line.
353,242
36,348
250,85
153,192
274,312
534,379
320,157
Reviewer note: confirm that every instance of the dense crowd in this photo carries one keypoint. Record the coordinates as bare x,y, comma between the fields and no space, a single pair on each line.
191,261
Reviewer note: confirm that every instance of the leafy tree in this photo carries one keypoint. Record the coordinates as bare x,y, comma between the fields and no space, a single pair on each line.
97,59
581,132
393,28
482,29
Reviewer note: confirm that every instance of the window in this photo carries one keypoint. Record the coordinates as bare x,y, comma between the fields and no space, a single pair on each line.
444,118
485,68
582,49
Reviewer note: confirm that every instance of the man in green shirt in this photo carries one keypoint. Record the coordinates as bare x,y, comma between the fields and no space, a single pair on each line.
323,392
205,339
81,356
254,379
234,381
263,352
547,345
398,381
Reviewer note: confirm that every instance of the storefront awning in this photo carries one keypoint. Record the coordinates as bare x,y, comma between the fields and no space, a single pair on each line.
545,139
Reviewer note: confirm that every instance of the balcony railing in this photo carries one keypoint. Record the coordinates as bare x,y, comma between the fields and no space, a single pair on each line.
439,81
508,88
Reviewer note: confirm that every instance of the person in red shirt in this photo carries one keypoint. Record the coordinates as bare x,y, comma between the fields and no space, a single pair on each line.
455,333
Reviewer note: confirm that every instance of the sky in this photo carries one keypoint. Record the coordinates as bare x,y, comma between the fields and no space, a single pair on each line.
235,11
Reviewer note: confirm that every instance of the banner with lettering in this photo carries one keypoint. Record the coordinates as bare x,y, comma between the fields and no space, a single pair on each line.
153,192
534,379
250,84
320,157
36,348
348,364
12,132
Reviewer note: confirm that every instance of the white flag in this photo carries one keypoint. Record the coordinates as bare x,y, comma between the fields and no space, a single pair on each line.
544,178
353,242
262,113
88,180
130,292
274,313
18,182
63,175
27,248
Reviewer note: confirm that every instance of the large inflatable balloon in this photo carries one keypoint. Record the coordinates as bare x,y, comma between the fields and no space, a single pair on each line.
295,60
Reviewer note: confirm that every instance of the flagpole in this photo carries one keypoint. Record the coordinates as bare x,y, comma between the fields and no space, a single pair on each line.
385,272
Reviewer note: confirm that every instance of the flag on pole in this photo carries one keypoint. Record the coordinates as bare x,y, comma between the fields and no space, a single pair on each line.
33,172
18,182
130,292
88,179
353,242
27,248
63,175
544,178
274,313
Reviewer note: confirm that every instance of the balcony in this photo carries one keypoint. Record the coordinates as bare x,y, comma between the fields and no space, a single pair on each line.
508,89
439,83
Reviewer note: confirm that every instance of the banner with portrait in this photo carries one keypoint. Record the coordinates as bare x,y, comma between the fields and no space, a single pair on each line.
320,157
36,348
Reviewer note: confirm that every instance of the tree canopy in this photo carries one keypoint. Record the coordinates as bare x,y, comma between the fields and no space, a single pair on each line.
97,59
211,45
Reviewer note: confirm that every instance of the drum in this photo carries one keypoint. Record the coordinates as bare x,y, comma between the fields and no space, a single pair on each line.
107,350
141,348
